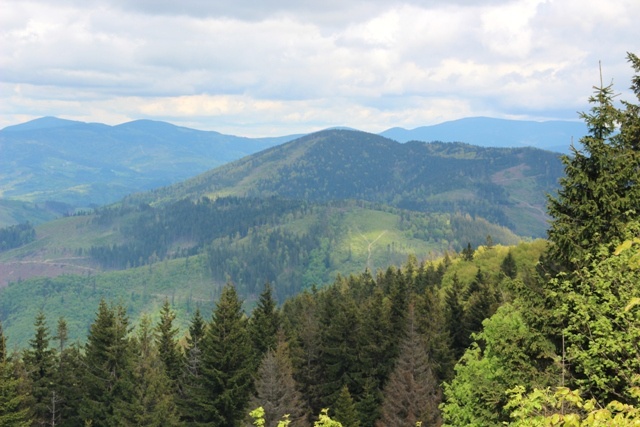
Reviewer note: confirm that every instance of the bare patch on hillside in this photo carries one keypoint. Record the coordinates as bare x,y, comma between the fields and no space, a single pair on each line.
511,174
15,271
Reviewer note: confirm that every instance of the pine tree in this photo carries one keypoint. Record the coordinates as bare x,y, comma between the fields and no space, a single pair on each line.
431,322
264,323
227,364
13,412
66,400
339,344
412,393
190,382
600,193
167,344
454,312
344,409
108,363
151,402
508,266
276,390
40,363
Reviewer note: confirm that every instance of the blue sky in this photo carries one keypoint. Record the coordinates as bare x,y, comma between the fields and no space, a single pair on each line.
277,67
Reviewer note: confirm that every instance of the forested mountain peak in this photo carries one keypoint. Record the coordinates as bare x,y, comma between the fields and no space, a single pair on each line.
504,185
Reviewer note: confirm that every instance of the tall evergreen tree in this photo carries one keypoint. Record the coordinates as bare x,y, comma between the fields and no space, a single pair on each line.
454,312
152,401
13,412
508,266
276,390
600,193
167,344
339,344
264,323
344,409
190,382
412,393
108,366
431,322
40,363
227,364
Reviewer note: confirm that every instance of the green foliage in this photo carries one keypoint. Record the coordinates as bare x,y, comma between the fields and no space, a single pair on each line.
564,407
108,365
14,236
344,409
151,402
166,342
603,323
227,364
506,353
600,193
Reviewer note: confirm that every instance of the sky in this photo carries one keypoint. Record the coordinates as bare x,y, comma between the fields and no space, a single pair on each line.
281,67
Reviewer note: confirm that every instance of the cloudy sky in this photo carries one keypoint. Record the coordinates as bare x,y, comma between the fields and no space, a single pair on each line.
276,67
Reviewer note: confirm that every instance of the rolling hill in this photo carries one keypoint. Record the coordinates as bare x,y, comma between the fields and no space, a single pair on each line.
298,214
506,186
89,164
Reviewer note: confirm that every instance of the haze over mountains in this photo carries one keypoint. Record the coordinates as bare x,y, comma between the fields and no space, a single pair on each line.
88,164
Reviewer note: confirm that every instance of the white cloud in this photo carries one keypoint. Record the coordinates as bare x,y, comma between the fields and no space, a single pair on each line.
278,67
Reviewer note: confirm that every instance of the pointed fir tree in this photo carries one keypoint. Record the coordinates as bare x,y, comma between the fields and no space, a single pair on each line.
600,192
508,266
108,362
151,402
431,321
66,401
454,312
167,344
276,391
227,364
190,382
40,363
339,344
344,409
412,393
13,411
264,323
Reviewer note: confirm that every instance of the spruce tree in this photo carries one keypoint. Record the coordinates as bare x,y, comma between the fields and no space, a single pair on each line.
276,390
108,363
167,344
509,266
151,402
190,383
339,345
344,409
13,412
454,312
412,393
600,193
227,364
264,323
40,363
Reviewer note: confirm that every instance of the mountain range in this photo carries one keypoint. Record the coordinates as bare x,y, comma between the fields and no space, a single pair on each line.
295,214
54,166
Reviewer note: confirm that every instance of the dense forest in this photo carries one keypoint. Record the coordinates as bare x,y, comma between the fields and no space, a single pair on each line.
486,337
15,236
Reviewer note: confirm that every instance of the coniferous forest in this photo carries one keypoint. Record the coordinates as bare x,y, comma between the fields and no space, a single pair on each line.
543,333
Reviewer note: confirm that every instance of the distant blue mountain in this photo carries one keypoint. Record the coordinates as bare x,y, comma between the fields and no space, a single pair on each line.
488,132
83,164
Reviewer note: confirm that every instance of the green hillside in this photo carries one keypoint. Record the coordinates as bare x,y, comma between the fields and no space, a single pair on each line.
187,250
506,186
